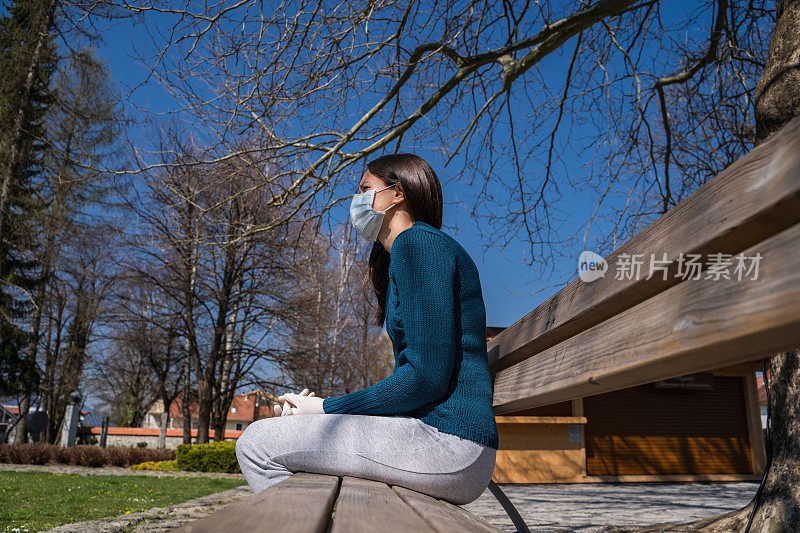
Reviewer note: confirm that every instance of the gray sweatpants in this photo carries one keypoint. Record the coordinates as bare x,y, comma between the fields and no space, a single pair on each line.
396,450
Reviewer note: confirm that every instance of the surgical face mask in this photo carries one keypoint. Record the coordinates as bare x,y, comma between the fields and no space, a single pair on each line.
364,218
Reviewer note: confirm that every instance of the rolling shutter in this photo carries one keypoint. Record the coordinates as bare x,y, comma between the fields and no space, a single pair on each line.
649,431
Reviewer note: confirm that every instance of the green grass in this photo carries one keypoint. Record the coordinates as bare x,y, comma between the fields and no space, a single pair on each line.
36,501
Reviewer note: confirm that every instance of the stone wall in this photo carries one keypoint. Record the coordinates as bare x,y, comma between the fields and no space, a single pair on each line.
132,437
134,440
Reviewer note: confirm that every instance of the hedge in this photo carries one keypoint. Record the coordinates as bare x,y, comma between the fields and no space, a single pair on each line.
81,455
162,466
211,457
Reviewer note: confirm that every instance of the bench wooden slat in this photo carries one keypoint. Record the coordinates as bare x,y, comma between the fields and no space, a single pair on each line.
753,199
367,506
303,503
693,327
443,515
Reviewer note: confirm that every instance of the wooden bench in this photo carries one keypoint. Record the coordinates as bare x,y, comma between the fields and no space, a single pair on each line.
317,503
604,335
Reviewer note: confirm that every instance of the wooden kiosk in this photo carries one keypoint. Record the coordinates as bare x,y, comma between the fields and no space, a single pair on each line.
702,427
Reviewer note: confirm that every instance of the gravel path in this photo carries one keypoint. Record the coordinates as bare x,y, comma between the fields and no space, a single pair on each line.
109,471
590,507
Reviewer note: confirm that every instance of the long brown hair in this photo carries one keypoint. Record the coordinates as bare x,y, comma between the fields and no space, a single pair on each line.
423,197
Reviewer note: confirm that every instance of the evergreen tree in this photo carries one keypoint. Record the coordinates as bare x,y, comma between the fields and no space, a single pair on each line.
27,59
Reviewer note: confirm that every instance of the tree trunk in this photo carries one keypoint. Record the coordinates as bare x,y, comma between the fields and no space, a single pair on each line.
185,409
21,436
203,410
777,101
779,508
777,96
49,389
33,347
226,392
192,356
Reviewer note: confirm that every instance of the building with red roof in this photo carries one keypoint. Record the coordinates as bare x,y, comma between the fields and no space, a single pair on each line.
244,410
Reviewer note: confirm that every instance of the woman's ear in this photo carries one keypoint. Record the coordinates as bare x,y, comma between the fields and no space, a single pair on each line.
398,192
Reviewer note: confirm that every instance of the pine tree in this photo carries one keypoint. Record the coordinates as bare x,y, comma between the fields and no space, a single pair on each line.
27,59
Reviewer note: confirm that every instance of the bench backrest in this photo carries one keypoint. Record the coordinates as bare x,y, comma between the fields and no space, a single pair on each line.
622,331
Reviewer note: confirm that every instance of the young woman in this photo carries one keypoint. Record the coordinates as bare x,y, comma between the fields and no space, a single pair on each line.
429,426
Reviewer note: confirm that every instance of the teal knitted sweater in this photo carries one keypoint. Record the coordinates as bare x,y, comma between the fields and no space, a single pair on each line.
436,320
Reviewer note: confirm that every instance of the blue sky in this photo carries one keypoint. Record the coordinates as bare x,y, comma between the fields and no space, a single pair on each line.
511,288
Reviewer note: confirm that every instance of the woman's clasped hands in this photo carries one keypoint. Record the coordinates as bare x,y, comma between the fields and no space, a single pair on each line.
304,403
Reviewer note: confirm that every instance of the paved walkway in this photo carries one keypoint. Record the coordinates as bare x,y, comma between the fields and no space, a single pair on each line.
590,507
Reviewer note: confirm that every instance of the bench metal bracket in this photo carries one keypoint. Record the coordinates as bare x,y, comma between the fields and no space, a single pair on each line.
512,512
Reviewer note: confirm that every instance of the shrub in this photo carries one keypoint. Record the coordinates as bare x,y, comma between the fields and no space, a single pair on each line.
62,455
10,453
118,456
211,457
39,453
153,455
82,454
164,466
88,455
7,453
29,454
122,456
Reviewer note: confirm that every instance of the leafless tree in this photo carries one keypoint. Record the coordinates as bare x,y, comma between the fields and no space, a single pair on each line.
144,330
331,349
76,304
193,231
122,379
